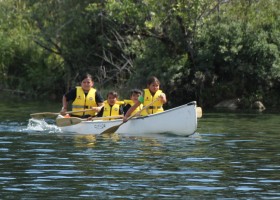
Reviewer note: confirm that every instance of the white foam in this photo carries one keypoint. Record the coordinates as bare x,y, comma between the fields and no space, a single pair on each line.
40,125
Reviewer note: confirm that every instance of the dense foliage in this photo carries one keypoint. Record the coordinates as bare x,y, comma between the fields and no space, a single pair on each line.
204,50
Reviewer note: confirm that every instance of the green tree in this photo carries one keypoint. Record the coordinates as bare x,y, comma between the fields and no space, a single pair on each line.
240,51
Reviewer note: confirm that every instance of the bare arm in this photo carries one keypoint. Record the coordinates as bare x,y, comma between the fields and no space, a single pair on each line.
64,105
98,108
130,110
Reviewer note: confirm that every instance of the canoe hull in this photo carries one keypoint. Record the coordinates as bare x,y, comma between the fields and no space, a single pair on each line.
181,121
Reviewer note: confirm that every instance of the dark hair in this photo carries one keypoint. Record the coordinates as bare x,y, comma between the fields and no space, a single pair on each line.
84,76
152,79
114,93
135,91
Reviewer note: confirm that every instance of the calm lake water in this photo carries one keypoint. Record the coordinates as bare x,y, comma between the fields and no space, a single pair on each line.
232,156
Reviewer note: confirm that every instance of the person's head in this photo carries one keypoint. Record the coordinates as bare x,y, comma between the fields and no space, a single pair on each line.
153,84
112,97
134,94
86,82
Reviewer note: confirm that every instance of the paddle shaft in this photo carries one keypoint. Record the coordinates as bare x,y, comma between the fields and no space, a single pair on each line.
44,114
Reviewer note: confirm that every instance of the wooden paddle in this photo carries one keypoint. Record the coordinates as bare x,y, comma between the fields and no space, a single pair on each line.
198,112
51,114
76,120
115,128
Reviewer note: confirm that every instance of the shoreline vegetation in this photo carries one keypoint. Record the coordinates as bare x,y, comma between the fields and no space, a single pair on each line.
231,105
207,51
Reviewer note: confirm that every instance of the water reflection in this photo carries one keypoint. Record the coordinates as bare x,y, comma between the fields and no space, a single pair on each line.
233,156
162,168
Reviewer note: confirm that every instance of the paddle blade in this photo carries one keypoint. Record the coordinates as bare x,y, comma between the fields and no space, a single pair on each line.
43,115
113,129
198,112
68,121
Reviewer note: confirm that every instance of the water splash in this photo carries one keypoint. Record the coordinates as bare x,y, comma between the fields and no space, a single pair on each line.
41,125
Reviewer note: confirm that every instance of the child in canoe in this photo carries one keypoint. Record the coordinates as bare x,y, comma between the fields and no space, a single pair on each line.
83,97
134,95
152,96
112,107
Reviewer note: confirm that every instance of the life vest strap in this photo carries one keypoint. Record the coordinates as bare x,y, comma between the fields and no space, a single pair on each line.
83,107
155,107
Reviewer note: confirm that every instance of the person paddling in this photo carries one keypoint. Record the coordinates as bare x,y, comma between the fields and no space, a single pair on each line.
83,97
134,95
151,93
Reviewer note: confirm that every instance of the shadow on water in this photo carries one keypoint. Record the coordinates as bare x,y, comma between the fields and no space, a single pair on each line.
240,122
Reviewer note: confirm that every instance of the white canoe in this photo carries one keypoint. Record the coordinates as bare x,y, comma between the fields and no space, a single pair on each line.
180,121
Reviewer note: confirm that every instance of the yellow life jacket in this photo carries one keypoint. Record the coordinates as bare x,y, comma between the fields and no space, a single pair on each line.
131,103
83,102
110,110
148,98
